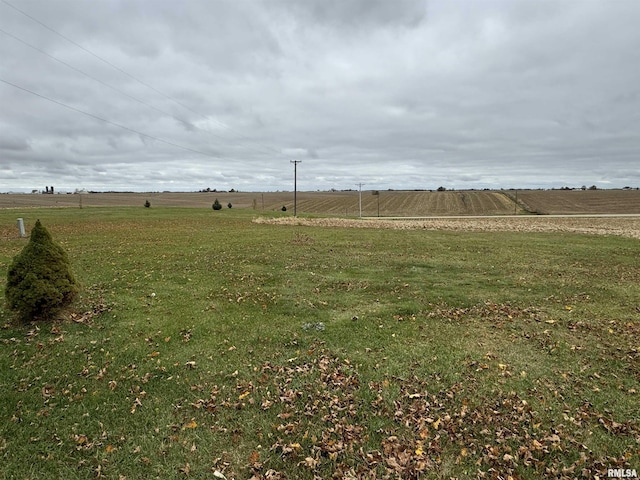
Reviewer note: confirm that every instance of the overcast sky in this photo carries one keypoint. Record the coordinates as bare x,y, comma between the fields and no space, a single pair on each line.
183,95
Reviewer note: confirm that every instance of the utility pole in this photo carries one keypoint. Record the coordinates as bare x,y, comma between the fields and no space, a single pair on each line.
360,187
295,185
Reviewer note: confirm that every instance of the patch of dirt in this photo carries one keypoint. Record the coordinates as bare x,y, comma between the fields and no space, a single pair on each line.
621,226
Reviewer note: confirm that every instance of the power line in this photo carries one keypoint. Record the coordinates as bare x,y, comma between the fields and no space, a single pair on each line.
88,75
124,127
93,54
142,102
124,72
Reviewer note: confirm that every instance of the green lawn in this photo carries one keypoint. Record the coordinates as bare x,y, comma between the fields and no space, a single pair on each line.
206,343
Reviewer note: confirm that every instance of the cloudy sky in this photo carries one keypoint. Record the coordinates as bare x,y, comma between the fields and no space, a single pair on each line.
150,95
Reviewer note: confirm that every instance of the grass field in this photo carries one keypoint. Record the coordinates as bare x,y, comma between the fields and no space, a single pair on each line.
207,344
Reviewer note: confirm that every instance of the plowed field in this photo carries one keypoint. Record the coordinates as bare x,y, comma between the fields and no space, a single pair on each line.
420,203
565,202
347,203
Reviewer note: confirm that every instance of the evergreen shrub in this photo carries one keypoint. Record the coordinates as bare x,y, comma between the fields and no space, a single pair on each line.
39,281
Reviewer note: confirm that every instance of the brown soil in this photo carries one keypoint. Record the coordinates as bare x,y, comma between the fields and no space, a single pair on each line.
347,203
579,201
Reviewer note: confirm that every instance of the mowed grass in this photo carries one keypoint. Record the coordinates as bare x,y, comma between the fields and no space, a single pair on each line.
206,343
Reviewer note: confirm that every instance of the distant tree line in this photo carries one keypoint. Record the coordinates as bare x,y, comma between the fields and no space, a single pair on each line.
215,190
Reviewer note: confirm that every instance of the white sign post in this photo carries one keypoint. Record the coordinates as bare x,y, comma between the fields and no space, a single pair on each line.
21,228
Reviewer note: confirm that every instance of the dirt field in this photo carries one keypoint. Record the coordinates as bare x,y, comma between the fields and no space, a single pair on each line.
563,202
347,203
165,199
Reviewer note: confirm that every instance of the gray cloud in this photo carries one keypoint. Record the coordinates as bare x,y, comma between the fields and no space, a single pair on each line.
406,94
13,143
355,15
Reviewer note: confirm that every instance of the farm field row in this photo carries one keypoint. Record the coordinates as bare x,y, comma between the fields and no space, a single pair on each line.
580,201
347,203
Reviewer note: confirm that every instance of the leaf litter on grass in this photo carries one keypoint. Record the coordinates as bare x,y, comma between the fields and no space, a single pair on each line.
318,412
327,423
328,420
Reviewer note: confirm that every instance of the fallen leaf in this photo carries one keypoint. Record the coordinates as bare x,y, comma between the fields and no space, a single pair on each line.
310,462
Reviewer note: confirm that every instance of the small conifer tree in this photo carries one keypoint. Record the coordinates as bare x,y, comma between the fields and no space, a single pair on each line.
39,280
216,205
147,204
229,205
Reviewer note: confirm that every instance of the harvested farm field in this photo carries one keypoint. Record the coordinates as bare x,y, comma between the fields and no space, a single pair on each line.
388,203
565,202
